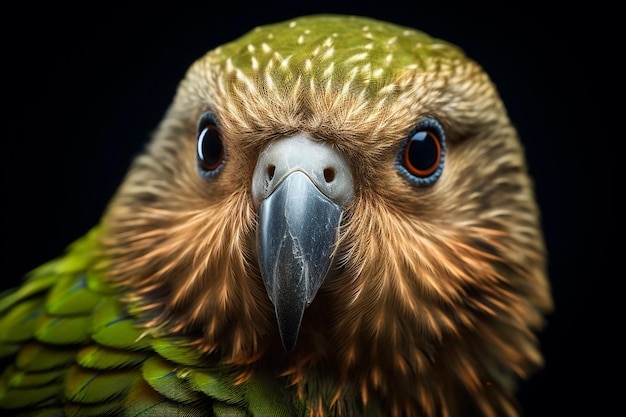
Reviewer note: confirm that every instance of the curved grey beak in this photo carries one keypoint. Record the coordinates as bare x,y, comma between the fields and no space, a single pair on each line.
300,187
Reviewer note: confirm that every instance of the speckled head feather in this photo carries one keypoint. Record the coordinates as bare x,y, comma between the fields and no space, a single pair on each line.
433,302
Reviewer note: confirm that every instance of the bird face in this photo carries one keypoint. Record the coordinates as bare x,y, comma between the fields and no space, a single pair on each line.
340,183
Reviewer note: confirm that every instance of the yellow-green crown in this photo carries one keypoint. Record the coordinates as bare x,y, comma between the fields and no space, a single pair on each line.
329,47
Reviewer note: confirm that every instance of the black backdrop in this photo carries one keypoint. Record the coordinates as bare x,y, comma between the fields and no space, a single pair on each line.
83,88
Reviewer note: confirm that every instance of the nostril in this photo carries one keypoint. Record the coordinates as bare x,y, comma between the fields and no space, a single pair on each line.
271,169
329,174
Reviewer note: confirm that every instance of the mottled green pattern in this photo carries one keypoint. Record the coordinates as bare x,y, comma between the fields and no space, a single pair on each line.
77,351
334,49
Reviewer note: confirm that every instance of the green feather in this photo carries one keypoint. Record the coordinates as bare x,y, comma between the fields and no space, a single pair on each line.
168,380
91,387
29,288
35,357
20,322
59,330
71,295
22,379
144,401
110,327
72,262
100,357
177,351
25,397
97,283
218,386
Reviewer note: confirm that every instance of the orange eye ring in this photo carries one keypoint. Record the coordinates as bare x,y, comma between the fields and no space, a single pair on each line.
421,158
422,154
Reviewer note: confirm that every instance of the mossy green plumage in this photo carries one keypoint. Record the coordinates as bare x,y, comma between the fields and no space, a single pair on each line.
77,351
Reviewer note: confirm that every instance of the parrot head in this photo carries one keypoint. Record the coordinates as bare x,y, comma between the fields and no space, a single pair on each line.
350,189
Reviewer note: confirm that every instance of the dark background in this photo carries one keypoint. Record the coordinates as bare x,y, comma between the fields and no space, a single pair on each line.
83,89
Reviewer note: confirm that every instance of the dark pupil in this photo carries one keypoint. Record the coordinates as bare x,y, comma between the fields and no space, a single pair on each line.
211,147
422,151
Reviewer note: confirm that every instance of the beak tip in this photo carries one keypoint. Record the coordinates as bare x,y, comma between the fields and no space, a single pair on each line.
289,325
288,343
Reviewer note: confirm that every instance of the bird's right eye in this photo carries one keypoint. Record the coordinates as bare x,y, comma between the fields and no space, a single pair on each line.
209,148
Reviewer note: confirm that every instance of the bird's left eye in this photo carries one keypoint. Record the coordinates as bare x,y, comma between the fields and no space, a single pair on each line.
421,158
209,148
